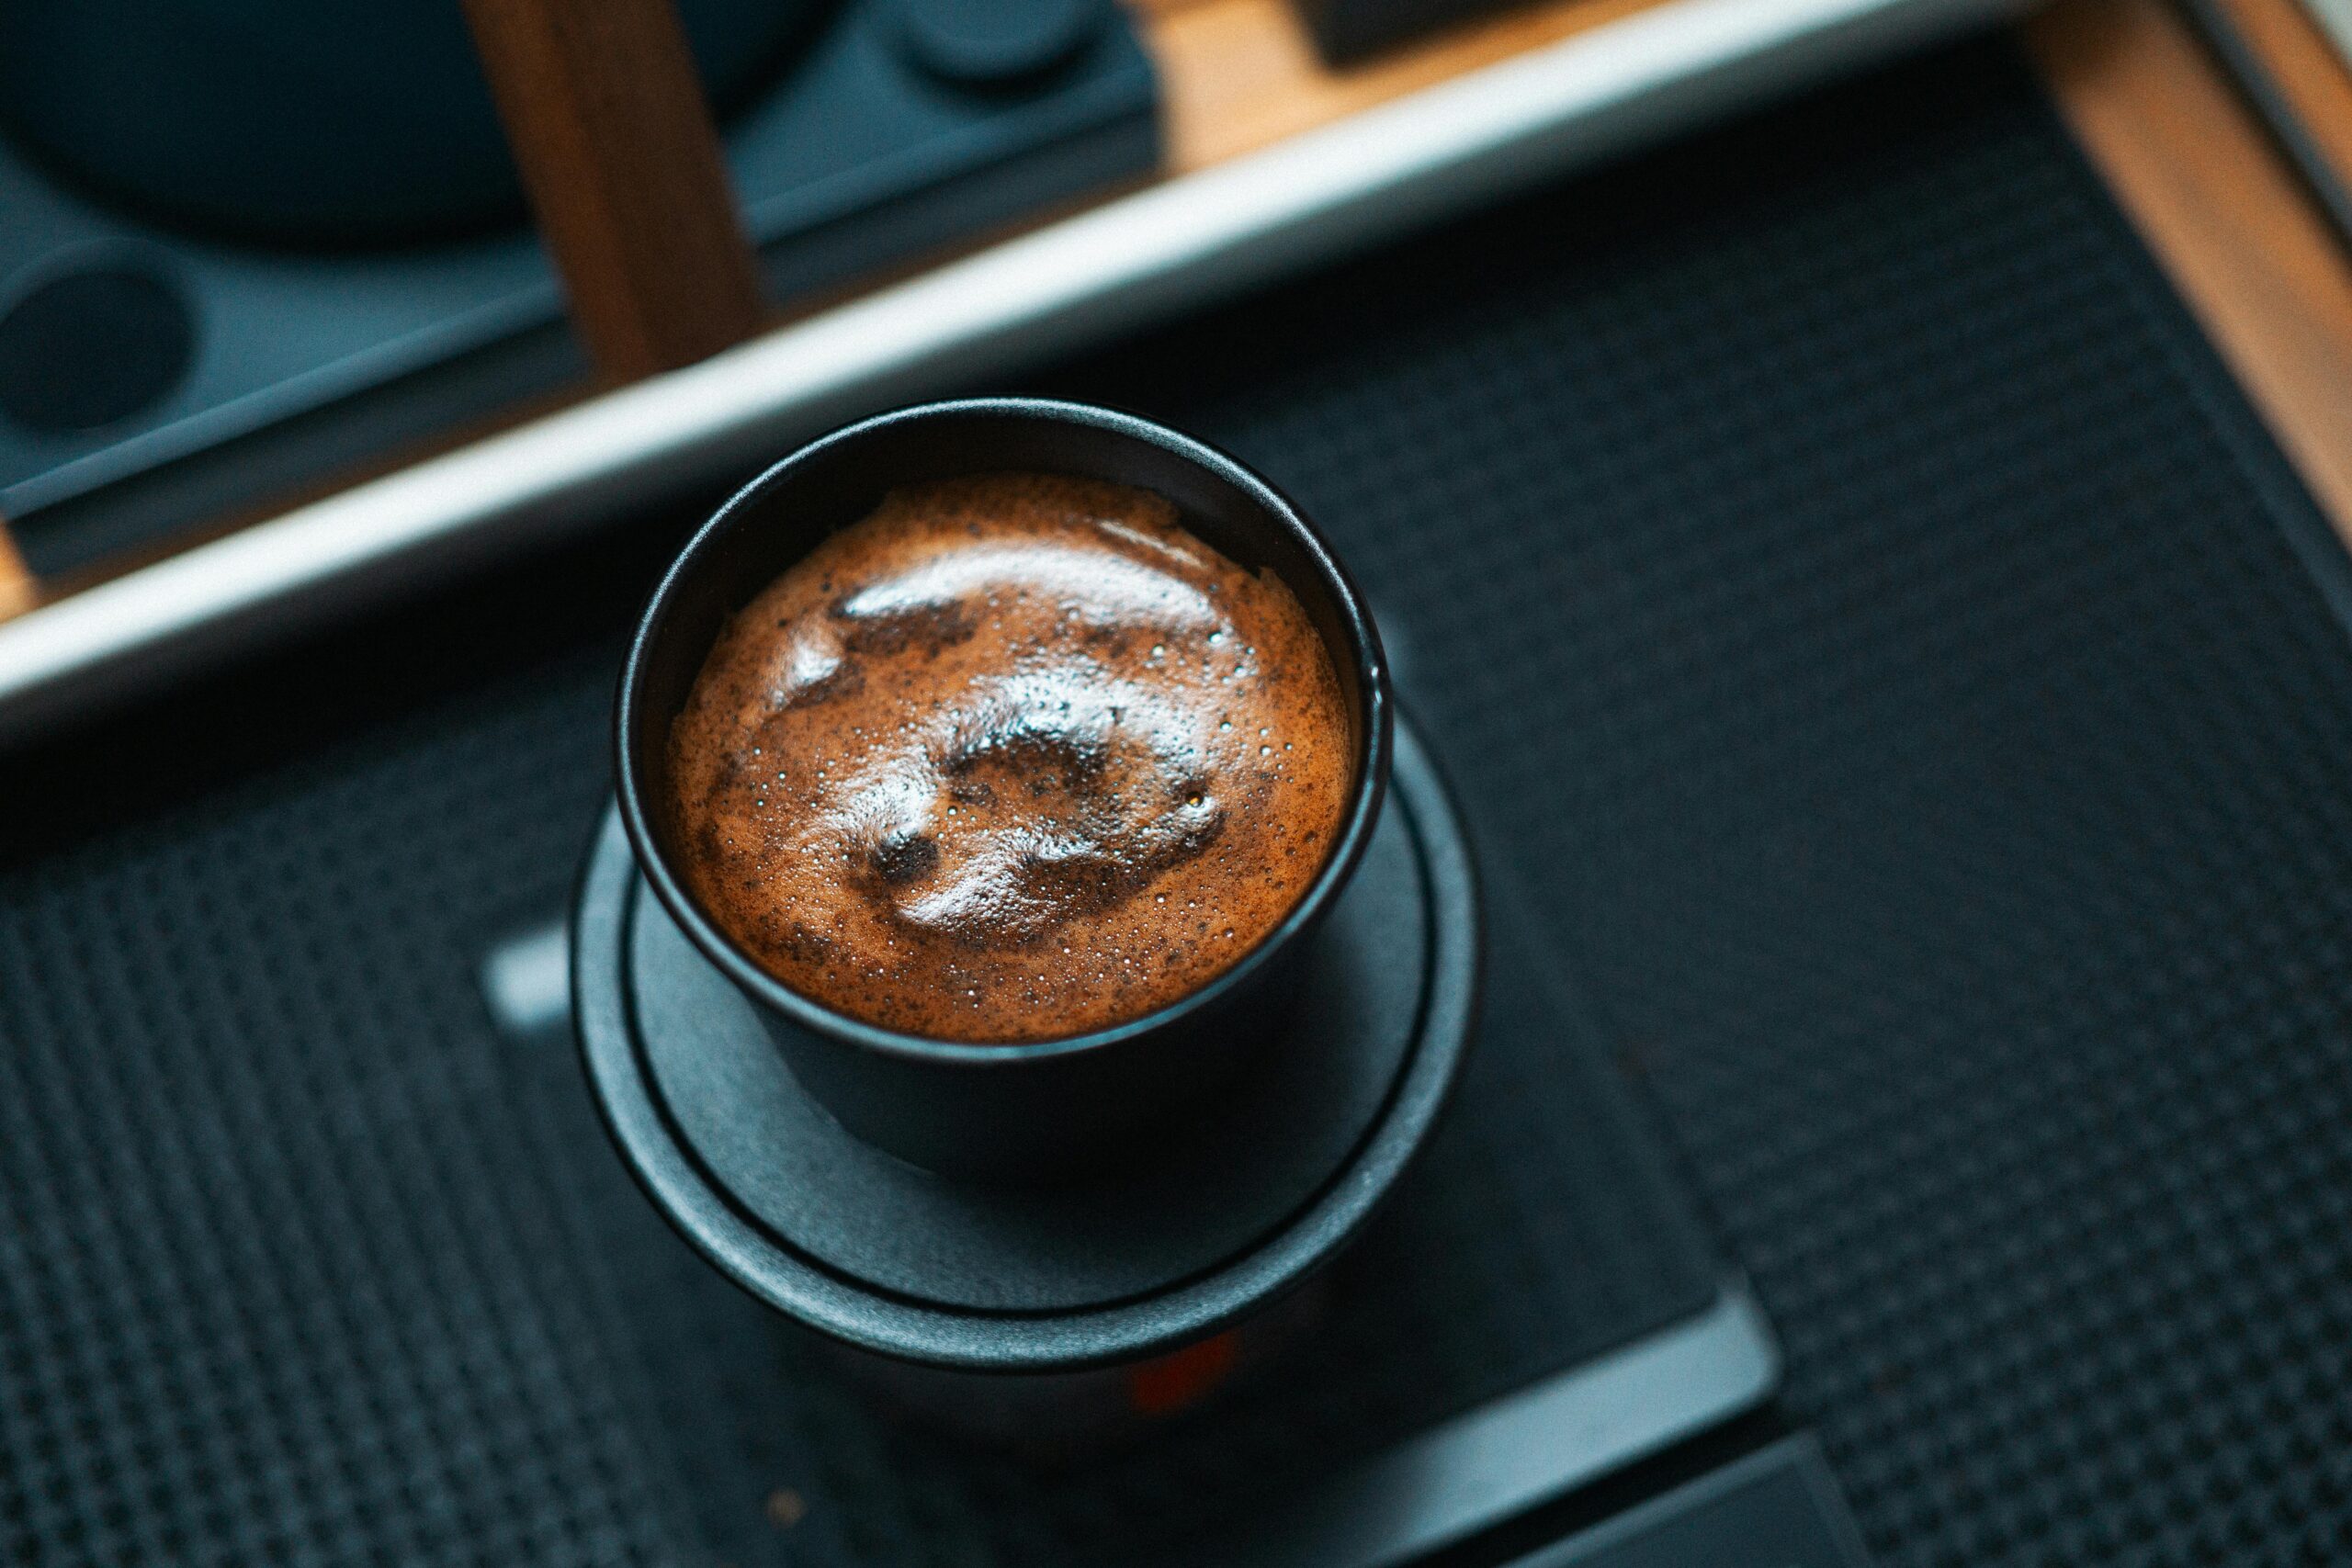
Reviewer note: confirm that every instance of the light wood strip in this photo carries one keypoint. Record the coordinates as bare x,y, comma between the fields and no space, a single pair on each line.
17,590
2222,213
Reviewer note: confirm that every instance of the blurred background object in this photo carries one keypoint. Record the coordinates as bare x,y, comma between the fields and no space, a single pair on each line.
247,246
280,122
272,433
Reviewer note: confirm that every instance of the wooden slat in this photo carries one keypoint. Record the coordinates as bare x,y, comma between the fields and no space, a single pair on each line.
609,126
17,588
2224,214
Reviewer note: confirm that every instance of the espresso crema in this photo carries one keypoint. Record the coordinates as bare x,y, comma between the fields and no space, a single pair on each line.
1013,759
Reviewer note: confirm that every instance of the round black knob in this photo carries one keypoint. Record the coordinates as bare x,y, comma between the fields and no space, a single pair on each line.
994,43
92,346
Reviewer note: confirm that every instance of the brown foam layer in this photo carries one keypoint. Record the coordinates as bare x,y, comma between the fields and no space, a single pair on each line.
1015,758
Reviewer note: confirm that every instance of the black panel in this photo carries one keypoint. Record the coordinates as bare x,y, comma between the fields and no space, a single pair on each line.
1347,31
1779,1508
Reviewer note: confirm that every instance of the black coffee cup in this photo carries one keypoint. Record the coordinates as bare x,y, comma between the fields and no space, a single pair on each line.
1052,1108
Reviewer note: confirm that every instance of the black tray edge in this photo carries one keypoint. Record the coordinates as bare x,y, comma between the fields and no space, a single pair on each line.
1514,1453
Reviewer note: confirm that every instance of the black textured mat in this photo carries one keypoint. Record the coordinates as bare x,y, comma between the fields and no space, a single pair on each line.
303,1262
1857,610
1849,583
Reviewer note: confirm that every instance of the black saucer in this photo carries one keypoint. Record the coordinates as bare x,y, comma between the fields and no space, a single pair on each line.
856,1243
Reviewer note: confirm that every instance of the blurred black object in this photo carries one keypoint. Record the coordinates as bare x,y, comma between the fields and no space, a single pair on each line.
357,122
988,43
1347,31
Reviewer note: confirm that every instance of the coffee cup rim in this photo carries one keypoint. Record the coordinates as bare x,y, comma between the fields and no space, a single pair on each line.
1365,797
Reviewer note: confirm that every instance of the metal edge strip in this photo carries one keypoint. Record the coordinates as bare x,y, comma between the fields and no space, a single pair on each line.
1134,260
2334,20
1525,1449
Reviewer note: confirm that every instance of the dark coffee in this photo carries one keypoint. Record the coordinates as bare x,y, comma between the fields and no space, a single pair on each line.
1015,758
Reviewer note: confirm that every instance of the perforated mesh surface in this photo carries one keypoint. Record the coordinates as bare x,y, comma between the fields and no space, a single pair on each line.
1861,619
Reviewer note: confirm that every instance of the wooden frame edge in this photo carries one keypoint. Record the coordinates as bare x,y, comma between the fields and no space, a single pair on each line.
2226,217
18,592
